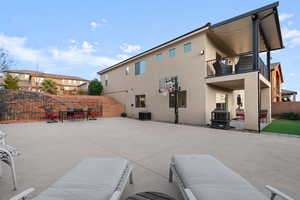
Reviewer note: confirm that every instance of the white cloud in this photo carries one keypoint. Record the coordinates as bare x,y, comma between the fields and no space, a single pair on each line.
285,16
94,25
123,56
129,48
87,47
103,20
290,22
292,74
16,48
291,37
55,59
290,33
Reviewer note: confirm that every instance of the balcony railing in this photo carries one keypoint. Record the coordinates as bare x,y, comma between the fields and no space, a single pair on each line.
225,66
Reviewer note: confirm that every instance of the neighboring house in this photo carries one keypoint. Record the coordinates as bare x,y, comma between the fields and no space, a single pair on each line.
276,81
32,80
288,95
208,63
84,86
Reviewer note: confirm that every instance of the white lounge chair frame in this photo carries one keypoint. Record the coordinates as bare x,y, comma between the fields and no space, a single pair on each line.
7,154
126,178
9,160
188,195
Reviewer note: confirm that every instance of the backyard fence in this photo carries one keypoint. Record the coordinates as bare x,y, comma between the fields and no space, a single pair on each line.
16,105
286,107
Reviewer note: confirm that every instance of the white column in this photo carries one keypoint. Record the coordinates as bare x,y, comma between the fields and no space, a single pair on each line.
266,101
251,101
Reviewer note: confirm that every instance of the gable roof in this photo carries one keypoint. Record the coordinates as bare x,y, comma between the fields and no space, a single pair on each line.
45,75
263,12
275,66
288,92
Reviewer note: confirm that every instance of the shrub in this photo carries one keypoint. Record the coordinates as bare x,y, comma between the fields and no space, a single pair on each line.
11,82
95,87
288,116
123,114
49,86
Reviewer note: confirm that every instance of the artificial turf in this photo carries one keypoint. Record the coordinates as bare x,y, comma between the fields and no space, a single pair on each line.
284,126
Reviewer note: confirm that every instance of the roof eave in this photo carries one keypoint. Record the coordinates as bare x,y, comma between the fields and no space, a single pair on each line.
252,12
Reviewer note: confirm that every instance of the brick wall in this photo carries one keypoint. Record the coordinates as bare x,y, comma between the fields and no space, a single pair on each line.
27,105
283,107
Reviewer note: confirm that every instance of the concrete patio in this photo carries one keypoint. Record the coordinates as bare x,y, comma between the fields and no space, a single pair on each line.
50,150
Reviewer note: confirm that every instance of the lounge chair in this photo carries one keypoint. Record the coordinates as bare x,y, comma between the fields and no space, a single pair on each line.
7,154
202,177
91,179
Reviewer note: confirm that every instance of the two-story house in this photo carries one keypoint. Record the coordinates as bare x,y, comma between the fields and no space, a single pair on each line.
209,65
32,80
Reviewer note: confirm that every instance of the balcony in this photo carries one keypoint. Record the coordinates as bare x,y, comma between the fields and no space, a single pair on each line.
239,65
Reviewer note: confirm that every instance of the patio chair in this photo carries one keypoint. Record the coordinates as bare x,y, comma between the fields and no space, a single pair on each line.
263,115
91,114
202,177
51,116
92,179
70,113
7,154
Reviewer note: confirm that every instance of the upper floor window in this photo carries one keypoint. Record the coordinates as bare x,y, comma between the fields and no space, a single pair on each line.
140,101
187,47
140,67
172,52
106,79
126,71
159,57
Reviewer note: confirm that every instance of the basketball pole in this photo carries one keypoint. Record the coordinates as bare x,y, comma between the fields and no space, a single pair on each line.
176,100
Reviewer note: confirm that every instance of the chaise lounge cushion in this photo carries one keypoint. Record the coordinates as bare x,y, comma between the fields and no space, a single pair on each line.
91,179
209,179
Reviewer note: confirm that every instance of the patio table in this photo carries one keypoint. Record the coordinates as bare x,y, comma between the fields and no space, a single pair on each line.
64,113
150,196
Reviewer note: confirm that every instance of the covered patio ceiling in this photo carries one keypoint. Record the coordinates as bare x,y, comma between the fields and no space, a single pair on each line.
236,34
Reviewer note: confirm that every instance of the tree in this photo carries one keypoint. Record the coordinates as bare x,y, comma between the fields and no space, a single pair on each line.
49,86
5,60
11,82
95,87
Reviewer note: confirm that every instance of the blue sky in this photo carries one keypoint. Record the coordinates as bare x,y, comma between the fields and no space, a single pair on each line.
82,37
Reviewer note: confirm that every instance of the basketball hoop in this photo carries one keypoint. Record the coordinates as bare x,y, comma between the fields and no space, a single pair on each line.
166,85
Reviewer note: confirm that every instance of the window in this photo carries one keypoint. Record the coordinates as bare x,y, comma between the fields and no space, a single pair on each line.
172,52
140,101
181,99
187,47
140,67
106,79
221,101
159,57
126,71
